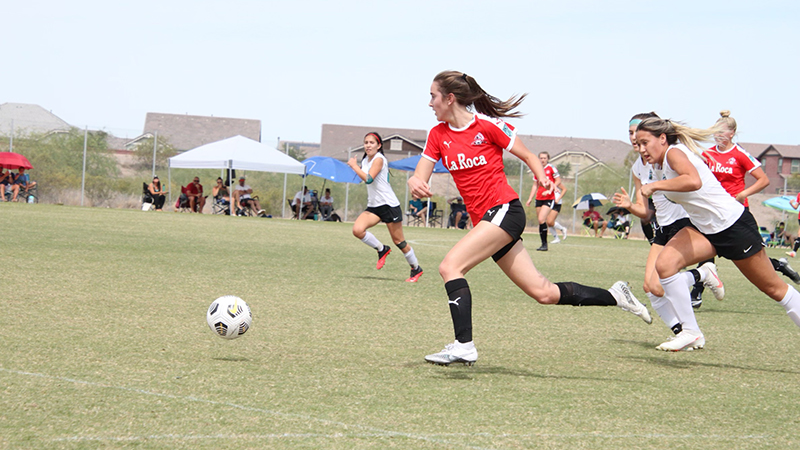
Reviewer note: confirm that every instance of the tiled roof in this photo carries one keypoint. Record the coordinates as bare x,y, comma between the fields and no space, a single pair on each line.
185,132
29,118
338,139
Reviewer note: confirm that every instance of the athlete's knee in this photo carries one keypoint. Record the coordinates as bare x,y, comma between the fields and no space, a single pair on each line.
359,232
666,268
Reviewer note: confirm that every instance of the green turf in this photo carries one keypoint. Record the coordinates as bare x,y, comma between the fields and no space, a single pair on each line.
105,345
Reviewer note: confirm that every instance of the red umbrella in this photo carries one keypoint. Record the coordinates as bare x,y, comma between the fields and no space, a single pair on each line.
11,160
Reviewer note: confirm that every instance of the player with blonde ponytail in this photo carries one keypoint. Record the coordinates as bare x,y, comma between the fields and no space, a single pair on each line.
721,225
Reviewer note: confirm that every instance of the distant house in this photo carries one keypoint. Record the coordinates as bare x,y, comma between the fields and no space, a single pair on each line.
339,141
185,132
779,162
23,119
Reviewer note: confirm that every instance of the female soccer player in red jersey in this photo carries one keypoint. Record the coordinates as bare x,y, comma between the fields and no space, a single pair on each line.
730,163
382,205
470,144
548,201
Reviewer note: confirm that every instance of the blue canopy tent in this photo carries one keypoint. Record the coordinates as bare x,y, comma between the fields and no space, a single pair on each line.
332,169
409,165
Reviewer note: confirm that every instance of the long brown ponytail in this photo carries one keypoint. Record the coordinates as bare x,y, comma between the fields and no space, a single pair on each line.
468,92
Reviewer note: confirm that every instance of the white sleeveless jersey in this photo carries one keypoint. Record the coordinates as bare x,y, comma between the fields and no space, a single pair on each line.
379,192
667,212
711,209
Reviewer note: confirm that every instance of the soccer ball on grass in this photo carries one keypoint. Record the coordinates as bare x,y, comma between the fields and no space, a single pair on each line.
229,317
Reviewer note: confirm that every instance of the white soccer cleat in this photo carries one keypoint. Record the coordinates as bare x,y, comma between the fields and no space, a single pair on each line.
625,300
565,235
792,253
556,240
712,280
686,340
455,353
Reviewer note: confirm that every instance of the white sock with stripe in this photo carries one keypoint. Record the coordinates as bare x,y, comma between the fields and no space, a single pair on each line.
676,291
791,303
559,227
411,258
372,241
664,310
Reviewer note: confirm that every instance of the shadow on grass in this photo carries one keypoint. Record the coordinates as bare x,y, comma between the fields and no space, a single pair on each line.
462,372
363,277
684,364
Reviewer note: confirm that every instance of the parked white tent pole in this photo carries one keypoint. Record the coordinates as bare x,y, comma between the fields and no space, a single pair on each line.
11,140
83,173
285,177
155,147
405,205
575,196
521,164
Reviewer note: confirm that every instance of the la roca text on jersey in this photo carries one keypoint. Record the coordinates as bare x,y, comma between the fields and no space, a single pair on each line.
464,162
719,168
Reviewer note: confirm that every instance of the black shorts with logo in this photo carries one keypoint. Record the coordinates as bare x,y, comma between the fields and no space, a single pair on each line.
664,234
549,203
739,241
387,214
510,217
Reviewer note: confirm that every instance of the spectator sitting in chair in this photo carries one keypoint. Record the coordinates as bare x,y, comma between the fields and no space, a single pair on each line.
22,182
620,223
326,205
302,200
157,193
6,183
592,219
220,191
780,237
194,191
458,213
418,207
242,198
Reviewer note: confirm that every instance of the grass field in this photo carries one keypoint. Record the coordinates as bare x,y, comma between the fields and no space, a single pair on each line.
105,345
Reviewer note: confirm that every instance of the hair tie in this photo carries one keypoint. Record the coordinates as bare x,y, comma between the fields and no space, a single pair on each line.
464,76
634,122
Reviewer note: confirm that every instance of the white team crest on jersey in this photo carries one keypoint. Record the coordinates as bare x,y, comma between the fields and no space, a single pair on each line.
478,139
732,161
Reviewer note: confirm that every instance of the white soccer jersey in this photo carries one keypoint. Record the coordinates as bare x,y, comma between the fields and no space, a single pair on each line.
667,212
379,192
711,209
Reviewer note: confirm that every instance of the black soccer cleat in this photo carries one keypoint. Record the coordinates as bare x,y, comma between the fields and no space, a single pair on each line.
415,274
786,269
382,254
543,248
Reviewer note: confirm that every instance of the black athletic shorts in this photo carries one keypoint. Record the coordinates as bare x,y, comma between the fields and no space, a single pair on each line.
548,203
556,207
739,241
387,214
664,234
511,218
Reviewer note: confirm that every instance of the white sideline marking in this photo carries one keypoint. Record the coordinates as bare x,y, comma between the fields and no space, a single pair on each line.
371,431
376,431
423,242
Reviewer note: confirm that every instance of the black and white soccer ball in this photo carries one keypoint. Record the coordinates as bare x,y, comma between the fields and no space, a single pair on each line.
229,317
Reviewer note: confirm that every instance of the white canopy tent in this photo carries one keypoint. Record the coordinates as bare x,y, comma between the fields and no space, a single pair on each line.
237,152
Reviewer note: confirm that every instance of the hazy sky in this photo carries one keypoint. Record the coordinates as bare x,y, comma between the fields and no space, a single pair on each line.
586,65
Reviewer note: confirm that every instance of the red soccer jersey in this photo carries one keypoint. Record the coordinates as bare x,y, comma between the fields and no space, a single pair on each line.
551,173
730,167
474,156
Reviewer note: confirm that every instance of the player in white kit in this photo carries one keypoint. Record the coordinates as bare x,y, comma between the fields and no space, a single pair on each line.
382,205
721,225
